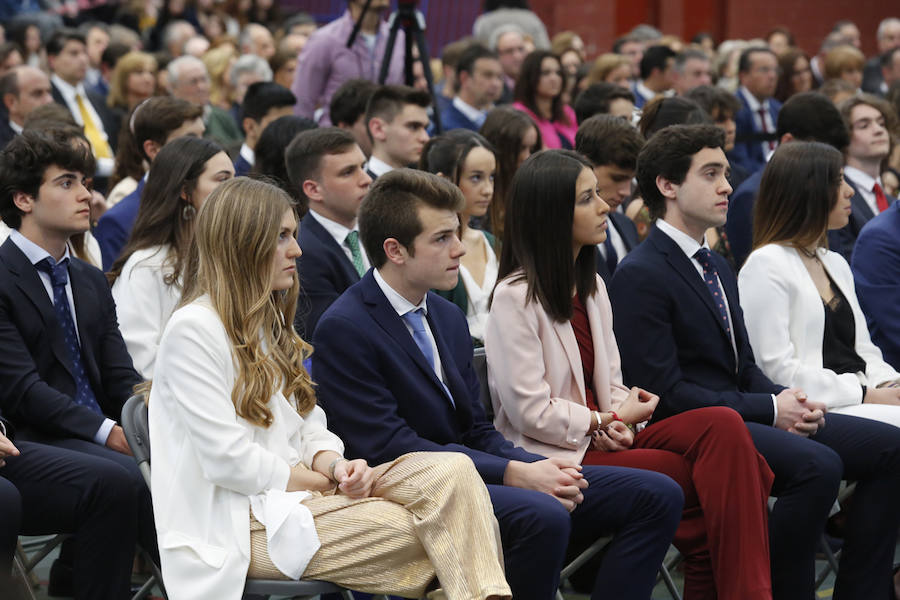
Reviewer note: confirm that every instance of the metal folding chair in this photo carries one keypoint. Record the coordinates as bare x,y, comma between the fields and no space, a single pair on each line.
136,424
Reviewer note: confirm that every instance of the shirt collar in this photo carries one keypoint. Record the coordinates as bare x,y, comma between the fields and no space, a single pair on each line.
752,102
687,244
335,229
15,126
644,91
400,304
378,166
861,178
248,154
68,91
469,111
32,251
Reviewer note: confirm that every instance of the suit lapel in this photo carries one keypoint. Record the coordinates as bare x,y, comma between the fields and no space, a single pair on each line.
29,282
566,336
86,303
455,382
315,228
862,212
387,318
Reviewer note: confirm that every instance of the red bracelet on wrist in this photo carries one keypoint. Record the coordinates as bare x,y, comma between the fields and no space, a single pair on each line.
615,416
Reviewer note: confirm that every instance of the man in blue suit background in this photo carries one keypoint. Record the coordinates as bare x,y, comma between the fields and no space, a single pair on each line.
393,364
678,321
480,80
328,170
755,122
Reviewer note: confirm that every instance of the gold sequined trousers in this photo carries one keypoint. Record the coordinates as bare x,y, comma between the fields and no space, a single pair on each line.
429,516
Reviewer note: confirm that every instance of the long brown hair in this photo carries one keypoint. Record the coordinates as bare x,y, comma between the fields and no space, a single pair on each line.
235,240
798,190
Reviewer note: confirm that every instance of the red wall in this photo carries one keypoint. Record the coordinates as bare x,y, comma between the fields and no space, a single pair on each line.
599,22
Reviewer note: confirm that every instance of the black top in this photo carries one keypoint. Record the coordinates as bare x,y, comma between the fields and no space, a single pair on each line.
838,344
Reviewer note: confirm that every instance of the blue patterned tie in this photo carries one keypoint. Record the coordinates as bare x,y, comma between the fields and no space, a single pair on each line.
59,275
416,320
711,278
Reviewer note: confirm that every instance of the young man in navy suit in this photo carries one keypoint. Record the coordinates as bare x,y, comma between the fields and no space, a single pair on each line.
264,102
480,79
681,331
327,168
612,144
393,364
397,123
66,372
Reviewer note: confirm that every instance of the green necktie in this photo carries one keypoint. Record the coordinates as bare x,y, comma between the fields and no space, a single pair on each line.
352,241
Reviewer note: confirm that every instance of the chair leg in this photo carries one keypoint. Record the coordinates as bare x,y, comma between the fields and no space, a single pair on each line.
21,580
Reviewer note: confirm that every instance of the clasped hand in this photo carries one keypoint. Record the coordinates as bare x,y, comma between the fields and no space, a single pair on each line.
798,414
558,477
354,477
616,438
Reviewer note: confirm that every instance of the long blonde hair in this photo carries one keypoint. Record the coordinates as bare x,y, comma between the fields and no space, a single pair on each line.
234,243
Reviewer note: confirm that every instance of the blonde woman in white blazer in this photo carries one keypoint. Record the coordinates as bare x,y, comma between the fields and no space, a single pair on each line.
556,382
146,278
248,481
790,284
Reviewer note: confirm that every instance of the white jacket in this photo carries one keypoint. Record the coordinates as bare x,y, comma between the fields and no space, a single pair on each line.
208,463
785,320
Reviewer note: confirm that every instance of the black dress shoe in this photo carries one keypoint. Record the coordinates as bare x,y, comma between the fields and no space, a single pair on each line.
61,580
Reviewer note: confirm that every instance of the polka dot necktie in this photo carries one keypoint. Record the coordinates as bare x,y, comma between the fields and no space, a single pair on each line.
711,279
59,275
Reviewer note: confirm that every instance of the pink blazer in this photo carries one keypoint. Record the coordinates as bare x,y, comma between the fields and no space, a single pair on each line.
550,130
535,373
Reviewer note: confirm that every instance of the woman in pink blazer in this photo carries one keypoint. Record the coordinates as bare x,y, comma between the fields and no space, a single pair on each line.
539,94
556,382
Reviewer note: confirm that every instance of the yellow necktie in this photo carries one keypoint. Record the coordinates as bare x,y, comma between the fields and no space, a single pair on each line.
94,136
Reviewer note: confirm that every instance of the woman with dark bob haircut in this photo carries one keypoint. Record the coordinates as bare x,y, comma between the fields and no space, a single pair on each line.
556,382
539,94
800,306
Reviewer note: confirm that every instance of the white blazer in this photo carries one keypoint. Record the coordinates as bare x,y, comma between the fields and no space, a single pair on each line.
144,303
785,320
536,376
209,464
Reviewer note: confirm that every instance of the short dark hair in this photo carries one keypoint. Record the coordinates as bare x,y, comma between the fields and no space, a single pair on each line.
263,96
157,117
270,151
746,59
62,36
471,55
669,154
391,209
349,102
717,102
537,238
811,116
113,52
663,111
798,190
387,101
597,98
24,161
621,41
608,140
655,57
303,157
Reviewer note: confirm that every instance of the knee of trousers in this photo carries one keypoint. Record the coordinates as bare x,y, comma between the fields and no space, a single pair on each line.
543,520
10,505
726,424
664,496
819,470
113,484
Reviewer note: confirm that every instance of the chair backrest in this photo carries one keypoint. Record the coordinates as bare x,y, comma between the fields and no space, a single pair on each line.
479,362
137,431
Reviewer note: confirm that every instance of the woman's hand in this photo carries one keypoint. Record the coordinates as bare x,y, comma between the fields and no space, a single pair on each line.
638,407
354,477
616,438
303,479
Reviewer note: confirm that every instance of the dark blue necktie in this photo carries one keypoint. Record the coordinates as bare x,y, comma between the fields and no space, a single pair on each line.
59,275
612,257
416,320
711,278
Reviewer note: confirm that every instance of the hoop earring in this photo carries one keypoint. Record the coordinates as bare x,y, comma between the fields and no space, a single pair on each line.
188,212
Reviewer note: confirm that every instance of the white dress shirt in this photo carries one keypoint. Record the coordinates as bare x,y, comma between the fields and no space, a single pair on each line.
618,244
339,233
865,185
248,154
469,111
36,254
479,295
378,166
104,165
755,105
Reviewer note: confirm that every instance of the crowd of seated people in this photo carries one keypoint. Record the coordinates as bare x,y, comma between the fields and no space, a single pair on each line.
679,264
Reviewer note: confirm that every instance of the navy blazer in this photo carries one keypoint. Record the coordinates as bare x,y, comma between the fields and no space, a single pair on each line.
6,132
114,228
748,151
628,231
35,367
383,399
876,271
241,166
672,340
325,272
843,240
453,118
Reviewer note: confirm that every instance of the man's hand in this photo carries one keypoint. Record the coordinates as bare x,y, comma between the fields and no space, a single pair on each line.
797,414
638,407
558,477
116,441
354,477
616,438
6,449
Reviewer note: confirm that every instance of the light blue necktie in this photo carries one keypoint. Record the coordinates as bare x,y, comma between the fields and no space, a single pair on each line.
416,320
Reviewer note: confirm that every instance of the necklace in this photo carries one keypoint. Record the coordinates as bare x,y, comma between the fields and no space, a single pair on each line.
808,253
